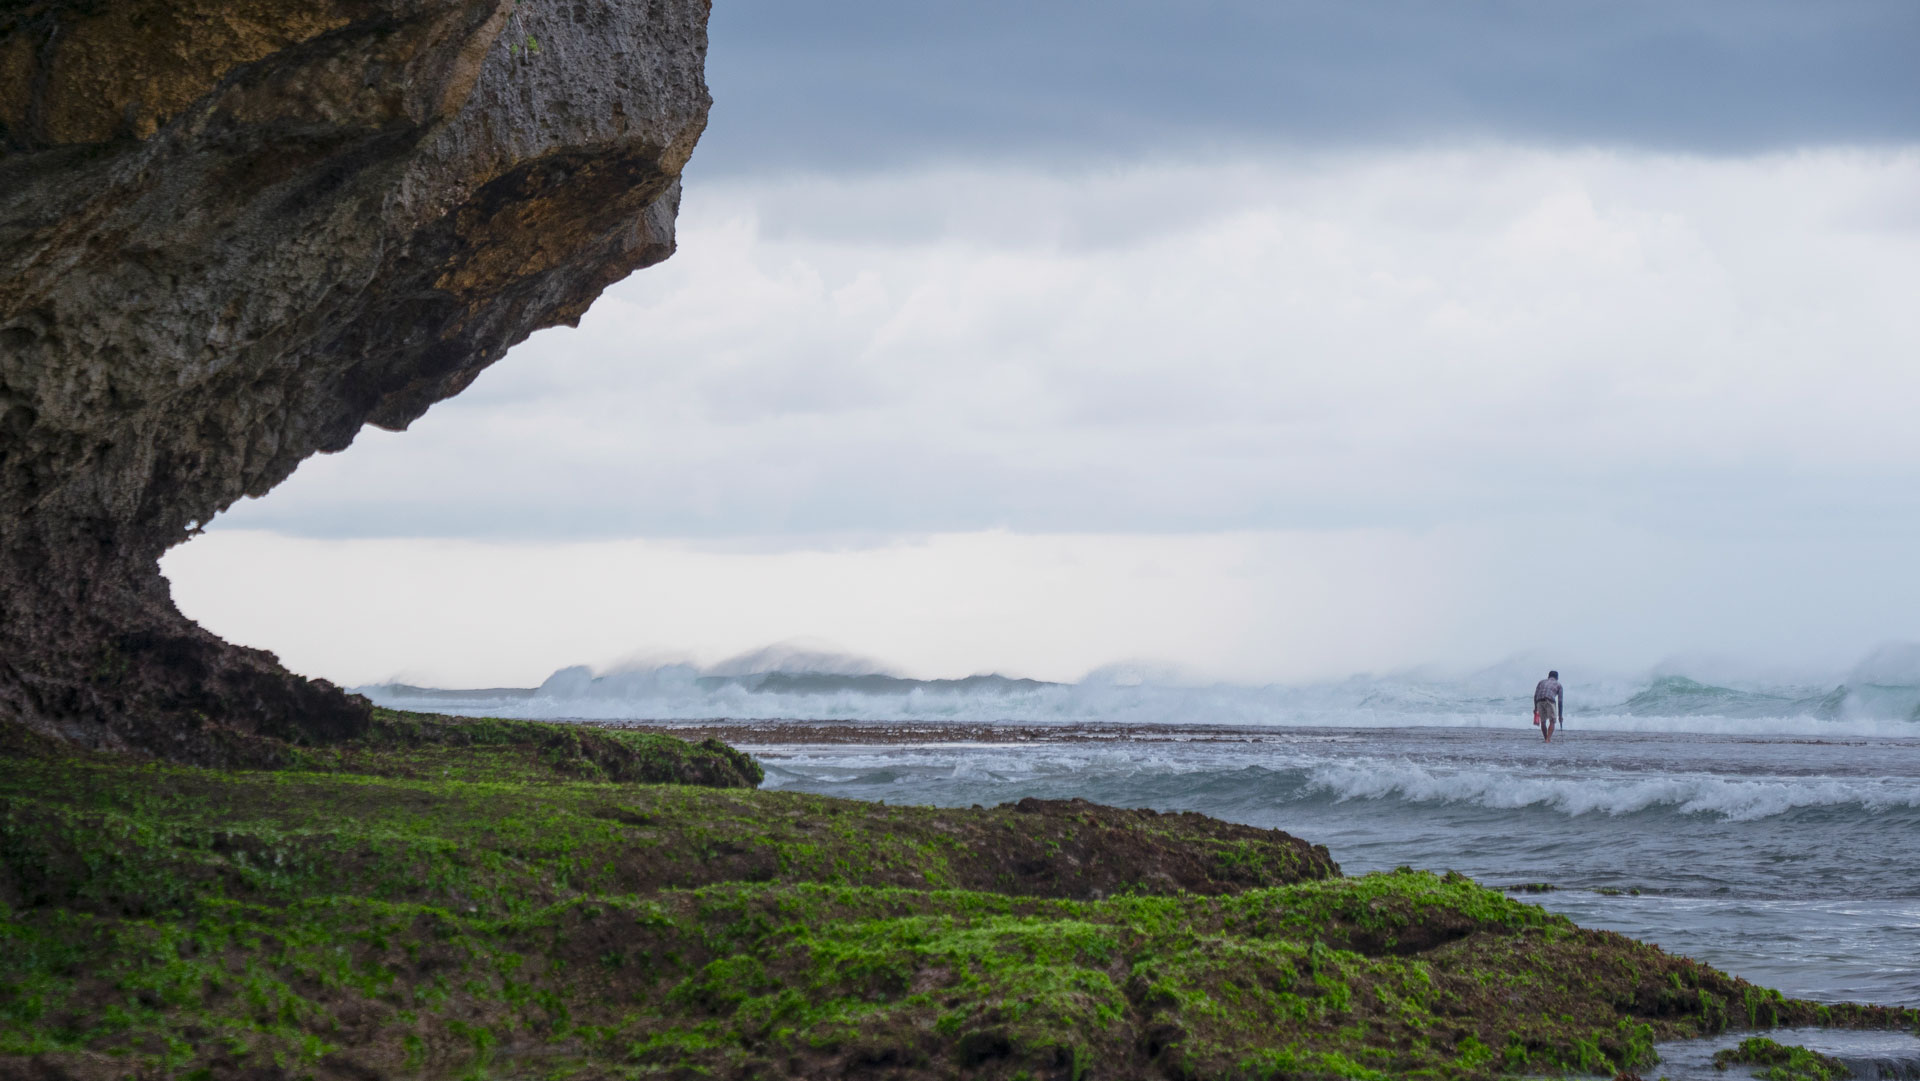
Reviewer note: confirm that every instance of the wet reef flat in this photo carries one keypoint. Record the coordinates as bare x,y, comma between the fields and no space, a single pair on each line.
512,899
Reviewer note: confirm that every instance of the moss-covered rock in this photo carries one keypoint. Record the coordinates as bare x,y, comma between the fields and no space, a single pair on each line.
1781,1062
450,899
415,744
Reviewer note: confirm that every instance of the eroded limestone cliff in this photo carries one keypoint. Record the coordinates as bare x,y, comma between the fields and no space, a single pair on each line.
234,231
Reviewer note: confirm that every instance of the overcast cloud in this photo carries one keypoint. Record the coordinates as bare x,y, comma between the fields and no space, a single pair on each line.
1404,340
864,83
1613,297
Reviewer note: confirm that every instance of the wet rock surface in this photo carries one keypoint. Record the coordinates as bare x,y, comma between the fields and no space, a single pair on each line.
231,234
1073,848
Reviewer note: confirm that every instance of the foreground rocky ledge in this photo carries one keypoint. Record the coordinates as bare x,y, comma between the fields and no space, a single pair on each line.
448,898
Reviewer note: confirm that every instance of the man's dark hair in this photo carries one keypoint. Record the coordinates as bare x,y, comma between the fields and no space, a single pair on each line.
1553,675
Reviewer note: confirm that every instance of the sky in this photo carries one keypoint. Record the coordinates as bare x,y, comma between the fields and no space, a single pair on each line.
1257,341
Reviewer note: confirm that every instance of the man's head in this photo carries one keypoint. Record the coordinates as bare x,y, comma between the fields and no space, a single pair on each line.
1553,675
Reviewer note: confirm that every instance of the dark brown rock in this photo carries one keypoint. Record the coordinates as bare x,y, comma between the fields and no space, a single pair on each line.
234,231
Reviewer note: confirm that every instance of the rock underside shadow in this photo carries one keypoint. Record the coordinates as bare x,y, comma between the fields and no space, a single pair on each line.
231,234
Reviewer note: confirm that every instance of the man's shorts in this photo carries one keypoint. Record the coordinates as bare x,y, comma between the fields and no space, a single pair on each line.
1548,709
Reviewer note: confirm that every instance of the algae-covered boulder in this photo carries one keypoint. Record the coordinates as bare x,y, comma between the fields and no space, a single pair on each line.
407,743
1781,1062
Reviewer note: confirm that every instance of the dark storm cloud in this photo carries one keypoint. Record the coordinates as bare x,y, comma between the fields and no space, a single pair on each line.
859,83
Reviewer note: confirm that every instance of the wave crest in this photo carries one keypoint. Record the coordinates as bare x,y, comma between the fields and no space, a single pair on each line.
1696,794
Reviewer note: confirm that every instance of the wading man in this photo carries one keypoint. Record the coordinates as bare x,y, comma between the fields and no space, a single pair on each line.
1549,704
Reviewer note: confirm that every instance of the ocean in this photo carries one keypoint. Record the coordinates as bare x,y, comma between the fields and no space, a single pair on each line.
1791,860
1769,828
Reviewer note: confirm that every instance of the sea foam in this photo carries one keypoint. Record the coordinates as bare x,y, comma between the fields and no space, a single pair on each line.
1663,703
1602,793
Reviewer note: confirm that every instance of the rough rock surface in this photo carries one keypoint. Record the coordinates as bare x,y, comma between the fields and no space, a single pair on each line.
234,231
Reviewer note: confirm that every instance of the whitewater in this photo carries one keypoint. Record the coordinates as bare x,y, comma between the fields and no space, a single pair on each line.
1878,697
1769,827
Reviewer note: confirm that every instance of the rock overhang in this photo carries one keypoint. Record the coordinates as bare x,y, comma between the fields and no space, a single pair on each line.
233,234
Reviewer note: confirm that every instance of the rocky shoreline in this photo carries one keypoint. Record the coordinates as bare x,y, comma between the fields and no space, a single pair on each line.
447,897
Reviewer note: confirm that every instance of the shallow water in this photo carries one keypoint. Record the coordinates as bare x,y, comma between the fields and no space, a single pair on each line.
1794,862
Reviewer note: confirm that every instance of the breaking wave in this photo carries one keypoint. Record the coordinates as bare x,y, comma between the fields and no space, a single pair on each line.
1740,800
1232,781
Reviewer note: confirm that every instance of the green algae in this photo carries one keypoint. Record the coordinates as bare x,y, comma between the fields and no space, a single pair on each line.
398,743
1781,1062
471,905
